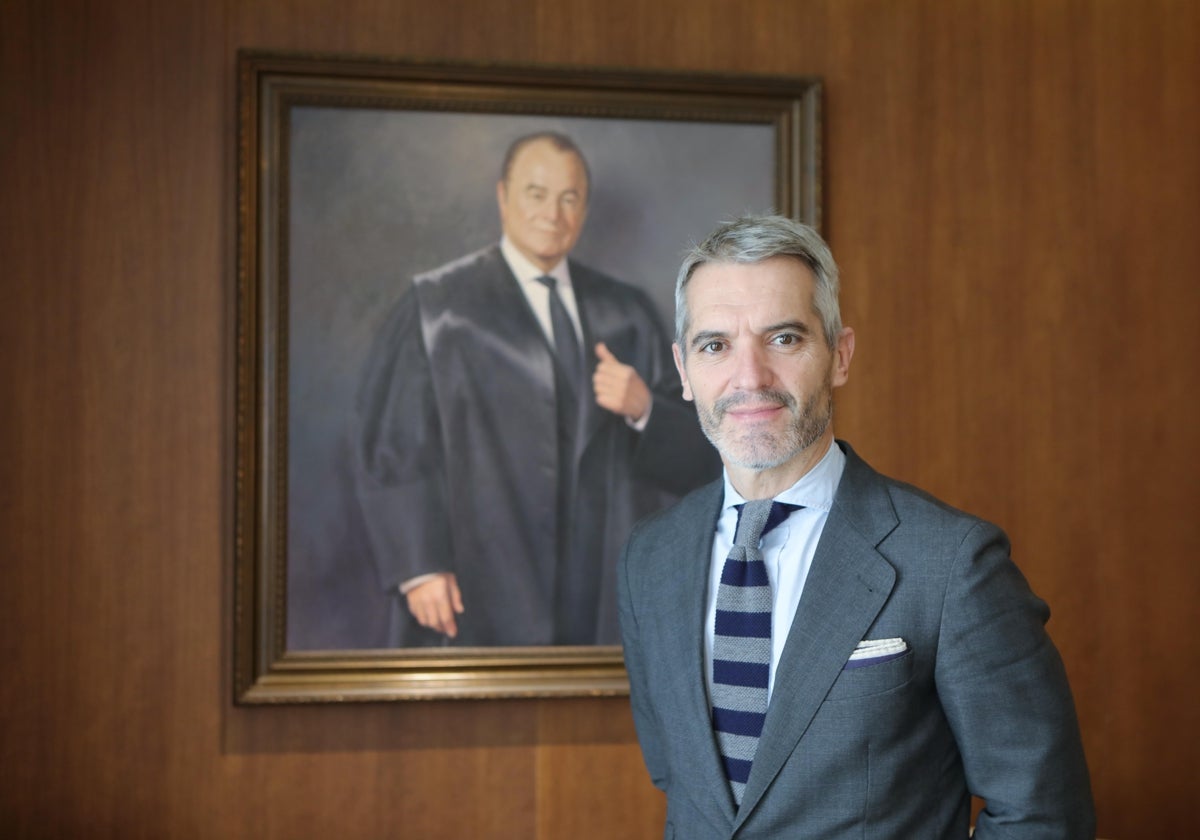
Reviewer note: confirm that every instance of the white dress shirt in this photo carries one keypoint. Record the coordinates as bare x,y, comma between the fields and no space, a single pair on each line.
538,295
787,551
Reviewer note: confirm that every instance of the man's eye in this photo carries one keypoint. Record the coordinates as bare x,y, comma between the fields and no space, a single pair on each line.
713,347
786,339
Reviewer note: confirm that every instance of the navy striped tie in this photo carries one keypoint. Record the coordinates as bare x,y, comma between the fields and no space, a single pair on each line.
742,642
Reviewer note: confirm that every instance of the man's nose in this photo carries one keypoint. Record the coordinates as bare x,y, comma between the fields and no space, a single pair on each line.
752,369
554,211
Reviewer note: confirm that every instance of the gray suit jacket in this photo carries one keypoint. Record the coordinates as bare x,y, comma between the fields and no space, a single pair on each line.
979,705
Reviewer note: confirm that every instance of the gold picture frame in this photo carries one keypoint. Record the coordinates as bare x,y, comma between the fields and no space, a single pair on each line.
308,289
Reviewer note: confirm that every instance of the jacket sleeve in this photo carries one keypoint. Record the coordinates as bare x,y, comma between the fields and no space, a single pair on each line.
399,471
1005,693
645,719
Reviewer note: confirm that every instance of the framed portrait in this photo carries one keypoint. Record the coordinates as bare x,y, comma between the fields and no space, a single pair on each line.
420,510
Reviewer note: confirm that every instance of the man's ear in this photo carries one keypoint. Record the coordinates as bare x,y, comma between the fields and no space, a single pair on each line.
842,353
687,389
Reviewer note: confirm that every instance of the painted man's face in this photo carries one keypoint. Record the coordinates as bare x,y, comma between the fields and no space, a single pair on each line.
543,203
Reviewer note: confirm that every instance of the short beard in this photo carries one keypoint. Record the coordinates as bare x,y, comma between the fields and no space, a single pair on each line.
764,450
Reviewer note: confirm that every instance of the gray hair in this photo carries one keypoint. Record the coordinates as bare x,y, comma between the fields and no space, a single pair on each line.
753,239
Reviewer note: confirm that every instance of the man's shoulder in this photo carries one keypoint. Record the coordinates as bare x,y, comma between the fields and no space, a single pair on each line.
478,282
606,299
582,272
482,263
587,280
865,494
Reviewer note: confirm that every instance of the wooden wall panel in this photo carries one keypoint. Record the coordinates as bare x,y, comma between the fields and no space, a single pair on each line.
1012,189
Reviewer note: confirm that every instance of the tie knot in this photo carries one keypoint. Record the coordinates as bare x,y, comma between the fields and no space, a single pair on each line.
758,518
549,282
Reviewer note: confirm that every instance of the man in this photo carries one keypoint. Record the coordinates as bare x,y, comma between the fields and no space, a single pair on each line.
518,415
860,658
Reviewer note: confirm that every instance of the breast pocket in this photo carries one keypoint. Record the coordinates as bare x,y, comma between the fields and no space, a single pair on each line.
854,683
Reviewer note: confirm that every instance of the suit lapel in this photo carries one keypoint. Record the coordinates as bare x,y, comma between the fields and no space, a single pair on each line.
692,542
847,586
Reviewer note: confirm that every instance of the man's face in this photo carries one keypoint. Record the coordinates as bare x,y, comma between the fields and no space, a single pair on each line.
543,203
758,367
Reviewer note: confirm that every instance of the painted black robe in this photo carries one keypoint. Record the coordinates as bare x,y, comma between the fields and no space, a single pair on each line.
458,458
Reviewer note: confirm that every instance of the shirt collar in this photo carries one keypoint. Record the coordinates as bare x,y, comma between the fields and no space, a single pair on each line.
815,489
525,271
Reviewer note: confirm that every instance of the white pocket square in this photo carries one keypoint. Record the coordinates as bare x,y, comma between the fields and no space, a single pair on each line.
875,651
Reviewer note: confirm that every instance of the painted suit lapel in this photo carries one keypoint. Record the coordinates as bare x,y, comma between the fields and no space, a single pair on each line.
483,341
584,288
847,586
513,318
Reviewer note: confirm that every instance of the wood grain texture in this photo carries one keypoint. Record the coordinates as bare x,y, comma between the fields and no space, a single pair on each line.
1012,190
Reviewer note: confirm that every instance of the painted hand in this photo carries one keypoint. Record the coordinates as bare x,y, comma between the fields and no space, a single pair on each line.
618,386
436,602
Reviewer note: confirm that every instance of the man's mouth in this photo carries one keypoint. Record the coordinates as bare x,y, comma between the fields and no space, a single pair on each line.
751,407
751,411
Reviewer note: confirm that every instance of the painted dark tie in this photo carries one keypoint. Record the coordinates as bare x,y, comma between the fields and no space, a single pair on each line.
566,344
742,642
576,580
